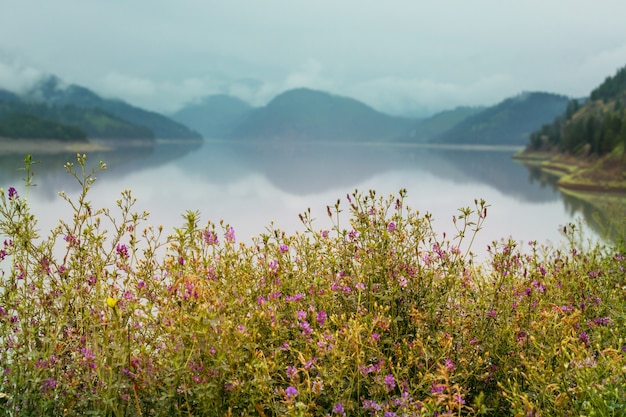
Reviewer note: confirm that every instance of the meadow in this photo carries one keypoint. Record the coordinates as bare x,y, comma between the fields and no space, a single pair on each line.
377,316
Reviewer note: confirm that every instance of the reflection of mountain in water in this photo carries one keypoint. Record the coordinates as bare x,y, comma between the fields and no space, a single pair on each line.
50,176
301,169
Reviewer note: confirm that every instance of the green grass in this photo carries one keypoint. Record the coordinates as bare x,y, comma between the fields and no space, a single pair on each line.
379,316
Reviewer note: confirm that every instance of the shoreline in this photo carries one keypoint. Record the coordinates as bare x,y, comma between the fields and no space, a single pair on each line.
47,146
591,175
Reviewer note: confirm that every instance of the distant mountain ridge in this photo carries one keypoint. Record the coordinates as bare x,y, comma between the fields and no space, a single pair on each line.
509,122
50,90
215,116
429,128
303,114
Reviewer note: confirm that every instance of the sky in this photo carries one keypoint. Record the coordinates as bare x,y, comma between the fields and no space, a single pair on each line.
403,57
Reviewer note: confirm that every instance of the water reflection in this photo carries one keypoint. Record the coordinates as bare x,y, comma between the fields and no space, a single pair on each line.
251,185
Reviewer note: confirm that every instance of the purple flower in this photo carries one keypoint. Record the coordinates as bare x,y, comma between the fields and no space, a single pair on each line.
283,248
210,237
321,318
338,408
13,194
450,366
437,388
292,372
291,392
584,337
122,250
391,227
273,265
390,414
306,328
230,235
371,405
48,385
390,382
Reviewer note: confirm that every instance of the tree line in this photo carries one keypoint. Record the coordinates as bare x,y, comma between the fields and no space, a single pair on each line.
595,127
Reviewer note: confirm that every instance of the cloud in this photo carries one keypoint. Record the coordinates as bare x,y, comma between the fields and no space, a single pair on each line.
423,96
16,76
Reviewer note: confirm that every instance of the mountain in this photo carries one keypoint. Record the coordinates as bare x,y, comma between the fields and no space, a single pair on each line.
36,120
305,114
214,116
507,123
431,127
51,90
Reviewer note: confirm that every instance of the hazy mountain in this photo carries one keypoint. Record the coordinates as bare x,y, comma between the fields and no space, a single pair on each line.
431,127
51,90
214,116
37,120
508,123
305,114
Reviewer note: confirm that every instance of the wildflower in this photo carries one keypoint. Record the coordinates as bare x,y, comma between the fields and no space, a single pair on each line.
391,227
292,372
390,414
306,328
371,405
210,237
318,386
48,385
273,265
111,302
390,382
338,408
283,248
584,337
291,392
437,388
321,318
325,234
375,337
402,281
13,194
492,314
450,366
122,250
459,399
296,297
230,235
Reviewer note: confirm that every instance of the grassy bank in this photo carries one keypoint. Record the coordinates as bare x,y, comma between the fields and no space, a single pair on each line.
576,173
379,316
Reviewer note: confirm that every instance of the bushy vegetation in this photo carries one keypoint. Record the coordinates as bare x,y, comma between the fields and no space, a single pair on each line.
26,126
379,316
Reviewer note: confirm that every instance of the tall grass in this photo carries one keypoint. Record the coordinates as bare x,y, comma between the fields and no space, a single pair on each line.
379,316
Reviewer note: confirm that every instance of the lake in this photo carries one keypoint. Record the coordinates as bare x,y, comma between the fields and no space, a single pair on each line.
249,186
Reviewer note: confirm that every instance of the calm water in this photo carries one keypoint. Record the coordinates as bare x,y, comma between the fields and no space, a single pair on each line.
249,186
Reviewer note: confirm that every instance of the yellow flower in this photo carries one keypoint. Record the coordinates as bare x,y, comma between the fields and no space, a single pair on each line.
111,302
